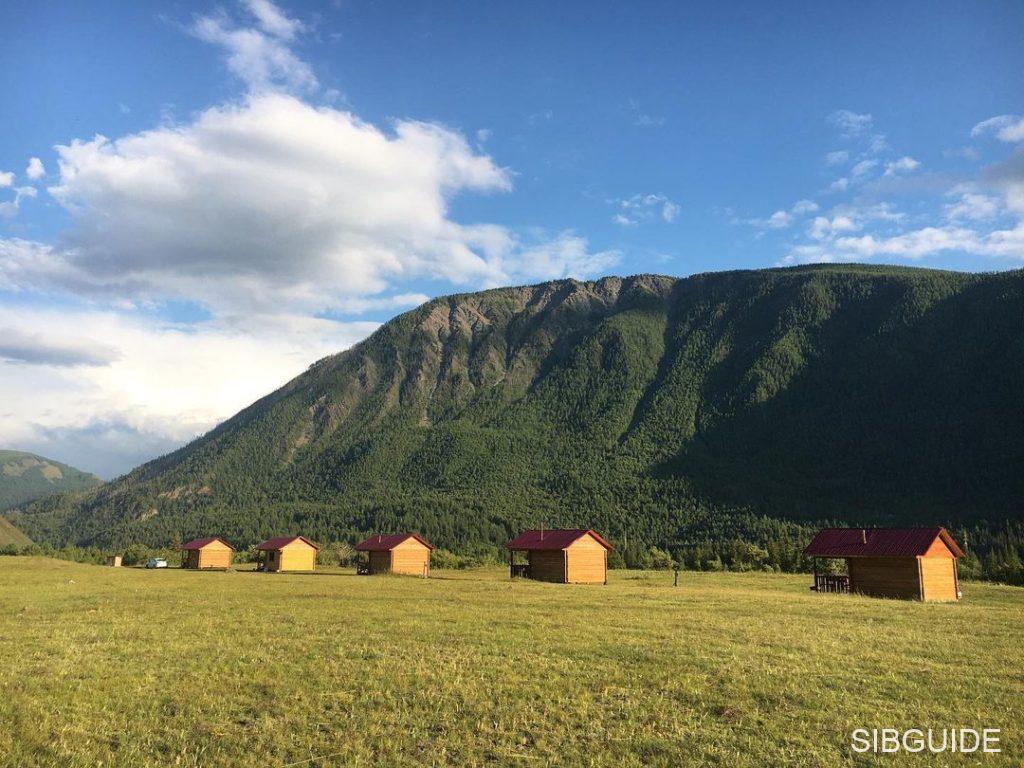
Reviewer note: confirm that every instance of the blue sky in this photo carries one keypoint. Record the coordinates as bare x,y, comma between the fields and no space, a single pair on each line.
273,181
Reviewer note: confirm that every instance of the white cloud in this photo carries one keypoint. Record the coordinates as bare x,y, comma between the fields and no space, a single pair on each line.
1008,128
877,144
262,60
851,123
824,227
276,201
640,208
973,206
10,208
783,218
863,167
273,20
903,164
566,255
931,240
837,158
840,184
6,179
35,169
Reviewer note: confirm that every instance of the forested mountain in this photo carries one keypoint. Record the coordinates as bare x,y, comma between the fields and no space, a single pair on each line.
661,411
25,477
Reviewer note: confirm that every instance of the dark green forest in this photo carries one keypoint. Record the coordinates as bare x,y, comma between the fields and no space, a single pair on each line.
715,420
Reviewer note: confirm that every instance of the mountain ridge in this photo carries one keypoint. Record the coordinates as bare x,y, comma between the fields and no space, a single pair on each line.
26,477
658,408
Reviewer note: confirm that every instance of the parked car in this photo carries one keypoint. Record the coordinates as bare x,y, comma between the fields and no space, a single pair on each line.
156,562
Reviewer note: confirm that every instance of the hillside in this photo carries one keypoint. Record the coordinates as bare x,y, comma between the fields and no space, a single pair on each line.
25,477
659,410
11,536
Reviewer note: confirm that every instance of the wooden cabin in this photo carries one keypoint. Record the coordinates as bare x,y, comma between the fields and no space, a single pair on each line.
405,553
114,561
908,563
213,552
567,556
288,553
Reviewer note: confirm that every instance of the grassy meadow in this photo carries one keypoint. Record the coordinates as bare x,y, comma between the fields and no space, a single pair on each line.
127,667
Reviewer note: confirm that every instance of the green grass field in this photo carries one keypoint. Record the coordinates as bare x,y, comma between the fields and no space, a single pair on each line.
126,667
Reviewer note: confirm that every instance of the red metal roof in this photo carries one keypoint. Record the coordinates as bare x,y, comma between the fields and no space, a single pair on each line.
553,539
200,543
281,541
385,542
878,542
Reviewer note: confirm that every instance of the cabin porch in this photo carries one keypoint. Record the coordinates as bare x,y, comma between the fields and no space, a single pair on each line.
829,581
520,570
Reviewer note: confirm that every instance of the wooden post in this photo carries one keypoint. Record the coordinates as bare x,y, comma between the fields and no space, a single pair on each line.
675,581
815,561
511,558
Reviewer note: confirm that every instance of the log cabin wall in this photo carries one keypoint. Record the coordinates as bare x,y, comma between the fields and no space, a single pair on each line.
885,577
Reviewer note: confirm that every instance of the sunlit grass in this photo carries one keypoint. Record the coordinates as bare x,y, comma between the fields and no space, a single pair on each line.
132,667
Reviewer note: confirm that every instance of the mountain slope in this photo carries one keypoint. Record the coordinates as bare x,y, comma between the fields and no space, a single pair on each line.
11,536
25,477
654,408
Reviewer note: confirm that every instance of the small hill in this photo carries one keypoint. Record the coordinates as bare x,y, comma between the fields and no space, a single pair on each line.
656,409
11,536
25,477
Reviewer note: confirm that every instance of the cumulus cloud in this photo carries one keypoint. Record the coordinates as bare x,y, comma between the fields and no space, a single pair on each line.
823,226
916,244
1008,128
259,56
903,164
640,208
274,200
6,179
35,169
973,206
566,255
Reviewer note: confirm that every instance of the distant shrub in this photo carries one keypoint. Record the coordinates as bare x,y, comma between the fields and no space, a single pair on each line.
659,559
448,560
338,553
